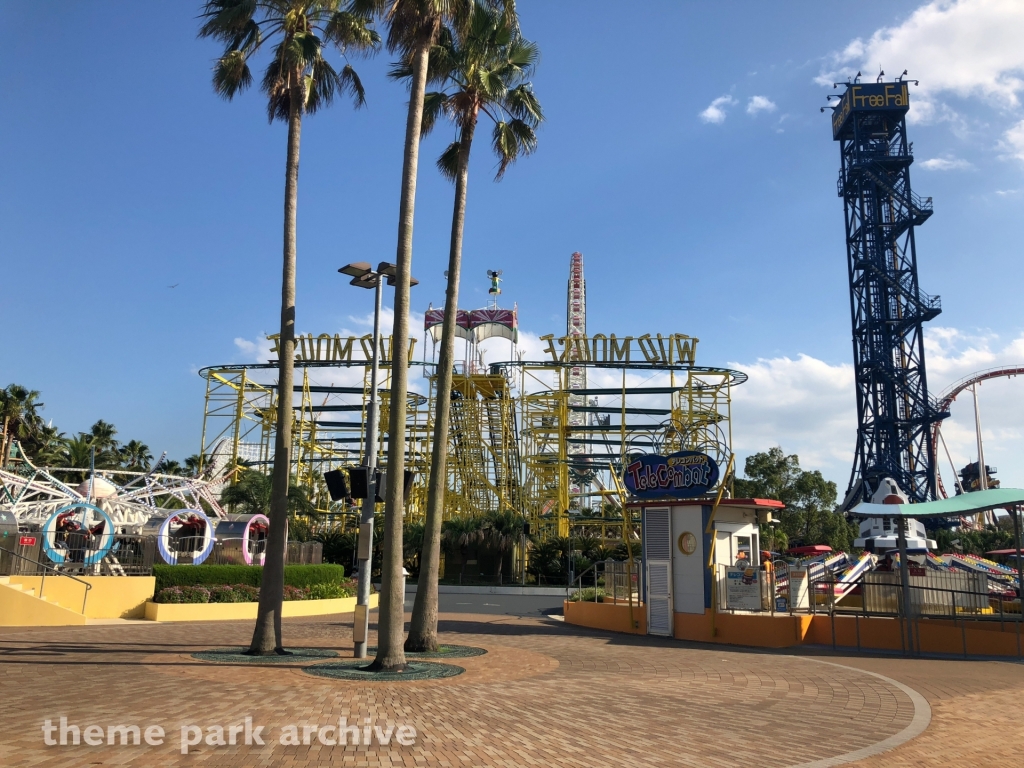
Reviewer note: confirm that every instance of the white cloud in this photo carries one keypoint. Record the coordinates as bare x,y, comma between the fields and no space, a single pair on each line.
1013,141
807,406
760,104
970,48
945,164
1007,192
715,113
255,351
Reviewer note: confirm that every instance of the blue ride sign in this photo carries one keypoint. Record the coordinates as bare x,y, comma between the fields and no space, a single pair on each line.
681,475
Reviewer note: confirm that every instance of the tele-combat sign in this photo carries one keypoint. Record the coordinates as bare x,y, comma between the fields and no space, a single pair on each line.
681,475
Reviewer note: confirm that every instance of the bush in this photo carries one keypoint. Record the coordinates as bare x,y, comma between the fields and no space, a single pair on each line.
330,591
295,593
587,595
234,593
215,575
183,595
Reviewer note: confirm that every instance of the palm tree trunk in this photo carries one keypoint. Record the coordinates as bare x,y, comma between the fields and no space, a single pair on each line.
391,621
423,629
266,638
3,443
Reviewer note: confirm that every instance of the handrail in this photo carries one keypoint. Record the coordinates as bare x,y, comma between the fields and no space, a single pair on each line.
42,581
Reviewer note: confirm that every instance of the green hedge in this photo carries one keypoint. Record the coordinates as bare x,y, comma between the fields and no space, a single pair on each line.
302,576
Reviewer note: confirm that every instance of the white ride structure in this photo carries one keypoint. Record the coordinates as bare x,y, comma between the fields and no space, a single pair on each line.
129,499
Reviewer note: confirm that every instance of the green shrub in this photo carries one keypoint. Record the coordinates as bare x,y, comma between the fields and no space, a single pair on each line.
329,591
214,575
183,595
234,593
295,593
587,595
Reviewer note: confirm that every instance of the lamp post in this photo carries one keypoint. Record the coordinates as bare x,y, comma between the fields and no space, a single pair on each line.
364,276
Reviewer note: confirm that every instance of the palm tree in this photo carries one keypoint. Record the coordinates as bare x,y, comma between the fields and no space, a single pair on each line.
253,492
297,81
458,534
18,410
169,467
485,70
413,29
79,453
135,456
192,464
47,446
500,533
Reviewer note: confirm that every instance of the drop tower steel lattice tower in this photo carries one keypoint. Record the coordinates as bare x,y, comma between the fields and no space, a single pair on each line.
894,412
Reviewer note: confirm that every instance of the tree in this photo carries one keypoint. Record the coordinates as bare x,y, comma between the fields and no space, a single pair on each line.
18,412
78,452
810,516
135,456
500,532
482,69
298,80
192,464
252,494
46,446
458,534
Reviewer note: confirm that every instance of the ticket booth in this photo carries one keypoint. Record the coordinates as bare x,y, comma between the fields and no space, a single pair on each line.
685,551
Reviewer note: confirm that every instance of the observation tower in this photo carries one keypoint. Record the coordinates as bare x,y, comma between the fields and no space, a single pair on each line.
888,308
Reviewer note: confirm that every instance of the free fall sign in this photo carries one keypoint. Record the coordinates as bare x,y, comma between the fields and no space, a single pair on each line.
680,475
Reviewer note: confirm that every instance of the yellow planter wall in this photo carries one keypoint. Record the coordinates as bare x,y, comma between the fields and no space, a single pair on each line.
111,597
20,609
237,611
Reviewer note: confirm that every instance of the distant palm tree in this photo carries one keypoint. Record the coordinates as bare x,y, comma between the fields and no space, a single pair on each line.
47,446
483,69
169,467
102,435
252,495
500,532
298,80
79,453
192,464
18,412
136,456
458,534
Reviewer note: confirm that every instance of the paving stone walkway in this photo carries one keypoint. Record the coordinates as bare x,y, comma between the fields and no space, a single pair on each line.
545,694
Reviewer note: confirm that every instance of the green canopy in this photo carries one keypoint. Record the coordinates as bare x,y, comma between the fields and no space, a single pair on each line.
957,506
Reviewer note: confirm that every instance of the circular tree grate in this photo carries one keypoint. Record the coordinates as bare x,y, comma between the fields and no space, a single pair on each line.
443,652
238,656
356,670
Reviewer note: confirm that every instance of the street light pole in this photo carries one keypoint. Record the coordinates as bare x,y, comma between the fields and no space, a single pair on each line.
366,519
363,276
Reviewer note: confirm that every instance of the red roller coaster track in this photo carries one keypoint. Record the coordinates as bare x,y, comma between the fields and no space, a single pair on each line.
947,398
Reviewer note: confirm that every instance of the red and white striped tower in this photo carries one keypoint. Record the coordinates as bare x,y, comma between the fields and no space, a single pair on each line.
576,316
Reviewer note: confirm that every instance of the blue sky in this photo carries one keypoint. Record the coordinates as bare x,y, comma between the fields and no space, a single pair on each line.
124,174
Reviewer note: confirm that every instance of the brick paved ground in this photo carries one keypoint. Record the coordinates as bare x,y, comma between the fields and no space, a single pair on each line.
546,694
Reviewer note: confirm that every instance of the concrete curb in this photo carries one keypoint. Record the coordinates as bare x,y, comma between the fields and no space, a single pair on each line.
454,589
922,717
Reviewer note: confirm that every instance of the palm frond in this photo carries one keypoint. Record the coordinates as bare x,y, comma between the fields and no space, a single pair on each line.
522,104
448,162
352,30
511,139
434,104
226,19
349,82
231,74
321,84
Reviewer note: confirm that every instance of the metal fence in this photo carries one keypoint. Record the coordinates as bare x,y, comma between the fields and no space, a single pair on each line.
610,580
133,555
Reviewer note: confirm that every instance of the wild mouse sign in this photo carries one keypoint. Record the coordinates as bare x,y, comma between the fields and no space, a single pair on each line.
681,475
